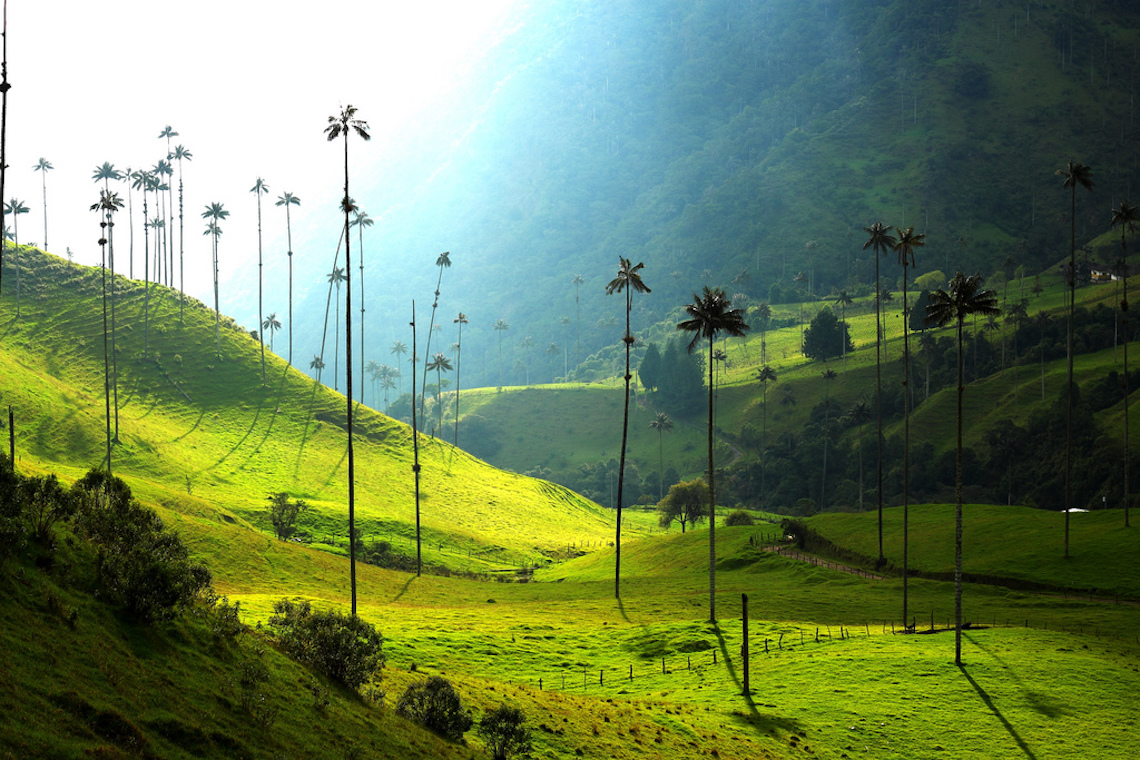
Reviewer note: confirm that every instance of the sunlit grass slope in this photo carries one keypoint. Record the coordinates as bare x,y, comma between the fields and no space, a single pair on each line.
200,432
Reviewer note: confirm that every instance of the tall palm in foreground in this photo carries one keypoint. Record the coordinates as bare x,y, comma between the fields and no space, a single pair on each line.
215,212
712,314
459,320
16,207
500,327
106,350
440,363
904,246
44,166
880,241
270,324
180,154
965,297
662,424
341,125
1127,216
360,220
260,188
287,200
628,280
335,278
1075,174
442,261
108,204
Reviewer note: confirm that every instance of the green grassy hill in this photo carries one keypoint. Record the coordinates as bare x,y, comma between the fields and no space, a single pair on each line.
201,436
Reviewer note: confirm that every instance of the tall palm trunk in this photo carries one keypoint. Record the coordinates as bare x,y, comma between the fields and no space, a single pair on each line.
289,232
260,289
348,379
146,278
181,252
628,340
415,444
362,375
114,347
106,362
879,404
1072,325
217,304
906,446
336,344
458,361
712,497
958,512
1124,330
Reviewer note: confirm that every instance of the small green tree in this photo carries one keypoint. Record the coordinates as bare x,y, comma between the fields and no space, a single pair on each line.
436,706
686,503
504,732
343,647
826,337
284,513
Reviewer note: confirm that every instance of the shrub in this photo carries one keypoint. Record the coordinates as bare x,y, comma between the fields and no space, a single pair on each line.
504,732
435,705
344,648
45,502
738,517
11,526
284,513
140,564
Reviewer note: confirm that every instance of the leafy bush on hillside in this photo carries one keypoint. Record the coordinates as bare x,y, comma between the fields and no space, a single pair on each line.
141,566
436,706
344,648
504,732
738,517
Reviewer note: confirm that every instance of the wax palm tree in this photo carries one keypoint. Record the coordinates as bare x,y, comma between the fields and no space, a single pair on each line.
287,200
459,320
343,124
628,280
271,324
105,173
526,344
44,166
880,241
16,207
318,364
372,372
106,350
215,212
763,315
360,220
399,348
965,297
440,364
1075,175
501,327
180,154
108,204
335,278
857,415
844,300
552,351
443,261
136,180
712,314
904,246
577,283
662,424
1127,216
259,188
164,169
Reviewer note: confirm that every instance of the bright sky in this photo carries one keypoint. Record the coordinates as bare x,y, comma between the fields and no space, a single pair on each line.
247,84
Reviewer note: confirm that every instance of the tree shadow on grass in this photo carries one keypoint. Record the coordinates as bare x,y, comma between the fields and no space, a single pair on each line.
407,583
997,713
197,423
252,425
1037,701
621,608
305,432
280,391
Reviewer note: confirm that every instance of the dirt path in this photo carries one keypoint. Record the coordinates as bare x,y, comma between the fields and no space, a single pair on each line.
789,552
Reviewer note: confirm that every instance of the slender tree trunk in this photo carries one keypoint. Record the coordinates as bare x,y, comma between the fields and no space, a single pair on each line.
712,498
289,232
1124,329
181,252
106,362
44,182
348,382
260,280
131,225
1072,325
458,361
114,326
879,403
415,445
146,279
958,513
906,447
624,435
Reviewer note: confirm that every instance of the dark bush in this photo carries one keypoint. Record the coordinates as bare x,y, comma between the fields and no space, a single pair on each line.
45,502
435,705
344,648
11,525
738,517
140,565
504,732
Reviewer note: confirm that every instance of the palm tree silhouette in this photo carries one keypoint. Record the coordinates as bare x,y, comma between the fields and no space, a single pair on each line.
44,166
1075,174
712,314
440,363
360,220
552,351
1127,216
501,327
662,424
168,170
857,415
763,314
343,124
459,320
399,348
272,324
106,351
16,207
843,300
215,212
372,372
108,204
628,280
443,261
287,200
335,278
880,241
164,169
965,297
180,153
259,188
765,375
318,364
904,246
